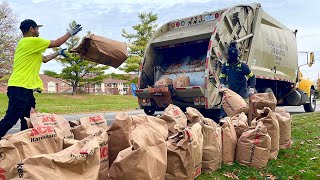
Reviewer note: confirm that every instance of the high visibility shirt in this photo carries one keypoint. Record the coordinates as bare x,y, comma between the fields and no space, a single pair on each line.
27,62
236,76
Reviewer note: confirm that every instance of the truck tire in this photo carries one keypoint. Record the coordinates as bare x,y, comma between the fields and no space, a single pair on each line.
149,111
311,105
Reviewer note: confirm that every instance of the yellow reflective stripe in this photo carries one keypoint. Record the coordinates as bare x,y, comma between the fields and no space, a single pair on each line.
239,65
227,64
223,75
250,75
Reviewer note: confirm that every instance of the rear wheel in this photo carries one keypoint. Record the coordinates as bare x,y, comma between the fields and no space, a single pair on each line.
149,111
311,105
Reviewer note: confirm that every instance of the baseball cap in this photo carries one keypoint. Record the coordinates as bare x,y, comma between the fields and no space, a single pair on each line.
26,24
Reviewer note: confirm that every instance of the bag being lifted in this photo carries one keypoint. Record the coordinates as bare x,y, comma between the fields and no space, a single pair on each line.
102,50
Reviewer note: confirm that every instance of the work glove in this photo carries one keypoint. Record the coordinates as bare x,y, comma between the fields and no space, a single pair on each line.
73,30
251,91
222,87
62,53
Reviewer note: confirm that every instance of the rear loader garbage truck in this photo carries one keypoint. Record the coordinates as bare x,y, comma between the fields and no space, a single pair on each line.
193,50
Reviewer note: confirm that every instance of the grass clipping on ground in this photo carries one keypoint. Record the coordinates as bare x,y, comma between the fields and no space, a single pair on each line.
69,104
301,161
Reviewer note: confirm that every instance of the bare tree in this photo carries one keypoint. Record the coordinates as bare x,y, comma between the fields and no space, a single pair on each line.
8,38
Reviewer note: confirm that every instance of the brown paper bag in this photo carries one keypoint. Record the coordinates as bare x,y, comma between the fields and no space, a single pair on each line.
240,122
175,118
259,101
145,159
212,147
284,120
102,50
39,140
88,125
180,156
9,157
229,141
86,159
197,142
194,116
253,147
119,135
163,82
181,81
269,119
158,124
61,125
233,103
27,143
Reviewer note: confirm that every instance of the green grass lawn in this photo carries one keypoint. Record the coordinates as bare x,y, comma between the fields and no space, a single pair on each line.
301,161
66,103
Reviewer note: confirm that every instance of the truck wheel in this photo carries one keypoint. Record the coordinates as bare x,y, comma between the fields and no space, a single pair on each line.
311,105
149,111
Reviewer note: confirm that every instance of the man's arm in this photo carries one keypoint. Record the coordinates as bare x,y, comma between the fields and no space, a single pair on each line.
71,32
58,42
223,75
249,74
54,55
49,57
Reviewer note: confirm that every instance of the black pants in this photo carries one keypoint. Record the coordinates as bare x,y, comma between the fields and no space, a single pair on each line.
21,101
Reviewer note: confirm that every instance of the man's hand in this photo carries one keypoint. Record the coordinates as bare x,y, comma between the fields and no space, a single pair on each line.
221,87
62,53
74,30
251,91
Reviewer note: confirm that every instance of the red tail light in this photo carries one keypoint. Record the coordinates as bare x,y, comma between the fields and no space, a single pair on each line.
202,99
196,99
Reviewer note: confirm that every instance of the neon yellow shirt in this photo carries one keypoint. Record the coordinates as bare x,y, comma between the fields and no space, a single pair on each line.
27,62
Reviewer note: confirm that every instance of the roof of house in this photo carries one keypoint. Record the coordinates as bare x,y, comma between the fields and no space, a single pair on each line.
110,80
46,78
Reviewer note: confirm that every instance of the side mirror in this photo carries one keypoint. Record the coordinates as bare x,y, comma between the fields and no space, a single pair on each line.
311,62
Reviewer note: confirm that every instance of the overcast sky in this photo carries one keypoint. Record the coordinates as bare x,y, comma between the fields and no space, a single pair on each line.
108,17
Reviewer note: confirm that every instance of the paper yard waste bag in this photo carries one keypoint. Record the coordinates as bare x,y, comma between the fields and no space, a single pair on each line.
212,146
284,119
119,135
34,141
145,159
163,82
229,141
9,157
16,147
270,120
102,50
180,156
158,124
253,147
181,81
197,142
87,126
233,103
60,124
258,102
175,118
240,122
194,116
83,160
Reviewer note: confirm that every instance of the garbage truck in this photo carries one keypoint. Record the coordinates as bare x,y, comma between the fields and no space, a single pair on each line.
197,46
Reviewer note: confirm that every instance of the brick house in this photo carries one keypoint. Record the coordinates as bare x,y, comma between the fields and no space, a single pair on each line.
107,86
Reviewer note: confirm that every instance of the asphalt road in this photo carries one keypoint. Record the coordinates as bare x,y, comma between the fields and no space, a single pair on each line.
110,116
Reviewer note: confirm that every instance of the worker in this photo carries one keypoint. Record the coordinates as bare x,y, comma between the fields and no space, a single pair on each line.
236,75
25,78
